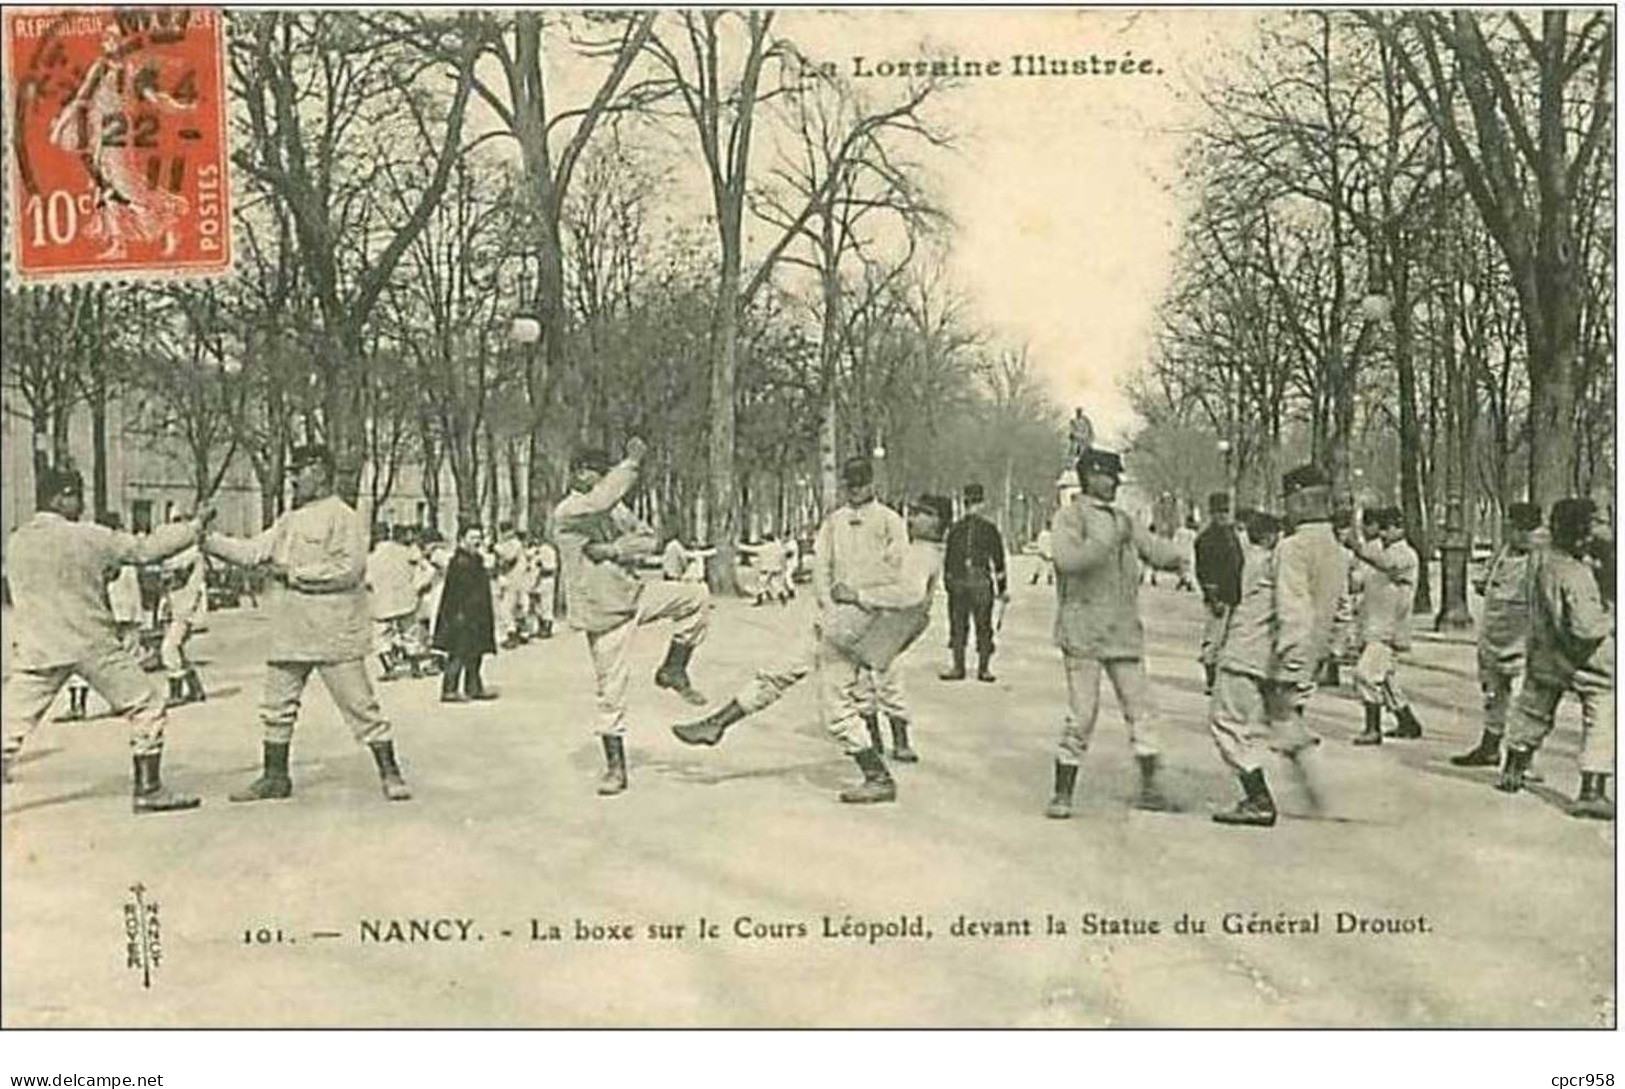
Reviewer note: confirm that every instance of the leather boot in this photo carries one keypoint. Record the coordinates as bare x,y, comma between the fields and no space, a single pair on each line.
1256,809
1593,801
389,772
877,785
1486,754
388,661
613,780
1060,801
1151,796
673,673
194,686
1373,726
177,691
955,672
1209,674
1408,728
150,795
984,674
76,699
1512,772
900,750
274,782
450,676
871,722
473,684
709,730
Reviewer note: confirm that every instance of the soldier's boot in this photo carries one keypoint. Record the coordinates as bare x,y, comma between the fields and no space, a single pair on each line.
1209,675
389,772
983,673
1256,809
709,730
613,781
1151,796
451,675
1593,800
75,707
1060,801
194,686
1408,728
1333,673
955,672
900,750
1512,771
1486,754
388,660
1373,726
877,785
547,629
871,723
274,782
673,673
80,697
150,794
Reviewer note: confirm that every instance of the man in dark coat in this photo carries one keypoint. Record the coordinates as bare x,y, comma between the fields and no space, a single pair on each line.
1218,572
465,629
973,570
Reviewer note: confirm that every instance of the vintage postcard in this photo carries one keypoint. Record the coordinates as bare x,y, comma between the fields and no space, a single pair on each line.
809,518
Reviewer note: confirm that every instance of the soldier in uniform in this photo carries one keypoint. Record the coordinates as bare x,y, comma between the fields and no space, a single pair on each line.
1503,630
599,540
57,570
544,567
1218,573
1390,568
1570,650
511,584
1098,551
1273,645
973,571
321,621
186,601
394,572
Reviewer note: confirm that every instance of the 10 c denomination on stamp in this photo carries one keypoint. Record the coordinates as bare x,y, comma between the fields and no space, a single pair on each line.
118,156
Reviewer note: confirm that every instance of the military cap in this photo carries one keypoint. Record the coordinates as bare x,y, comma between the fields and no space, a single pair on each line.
973,493
310,454
1305,476
1096,460
1524,515
590,457
856,471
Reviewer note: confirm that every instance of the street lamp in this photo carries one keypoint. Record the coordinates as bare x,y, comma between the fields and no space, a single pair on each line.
525,330
1224,456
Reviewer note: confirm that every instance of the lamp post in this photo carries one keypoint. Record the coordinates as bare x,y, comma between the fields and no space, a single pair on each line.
880,467
1456,552
1229,484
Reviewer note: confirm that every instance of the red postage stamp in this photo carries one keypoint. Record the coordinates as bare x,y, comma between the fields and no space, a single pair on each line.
118,152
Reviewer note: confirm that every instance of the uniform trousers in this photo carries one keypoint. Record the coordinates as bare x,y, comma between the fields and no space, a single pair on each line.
541,599
1376,678
1083,700
875,691
398,633
1497,676
113,673
347,682
684,603
1213,634
967,604
1535,712
172,651
1248,715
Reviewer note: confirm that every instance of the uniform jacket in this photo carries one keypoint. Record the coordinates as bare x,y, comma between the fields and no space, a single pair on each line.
58,572
322,614
188,575
124,594
901,610
1219,564
1503,625
1571,632
464,626
1250,629
1311,571
1391,573
974,558
544,564
1098,550
393,576
862,547
601,594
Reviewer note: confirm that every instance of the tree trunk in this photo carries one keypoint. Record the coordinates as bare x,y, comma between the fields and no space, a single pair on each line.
722,506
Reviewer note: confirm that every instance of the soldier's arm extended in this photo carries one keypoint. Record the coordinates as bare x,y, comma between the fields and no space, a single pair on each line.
1163,553
241,552
160,544
344,565
609,491
1074,551
911,586
1394,566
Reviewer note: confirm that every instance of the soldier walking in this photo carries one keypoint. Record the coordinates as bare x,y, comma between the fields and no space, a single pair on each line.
1503,631
321,621
57,570
1218,574
1391,569
599,541
974,573
1098,551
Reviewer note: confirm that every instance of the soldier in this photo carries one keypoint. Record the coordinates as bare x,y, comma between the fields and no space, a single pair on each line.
393,577
599,541
512,585
1045,548
1570,649
1390,568
1273,645
1503,629
1218,573
57,571
973,571
856,663
316,558
186,601
1098,551
544,567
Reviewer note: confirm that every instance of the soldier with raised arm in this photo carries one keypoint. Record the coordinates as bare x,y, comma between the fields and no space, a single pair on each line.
600,543
57,569
321,622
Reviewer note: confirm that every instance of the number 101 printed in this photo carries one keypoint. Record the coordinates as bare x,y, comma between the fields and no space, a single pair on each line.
118,157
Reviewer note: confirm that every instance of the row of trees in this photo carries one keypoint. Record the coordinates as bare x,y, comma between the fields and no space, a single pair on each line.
447,267
1400,262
